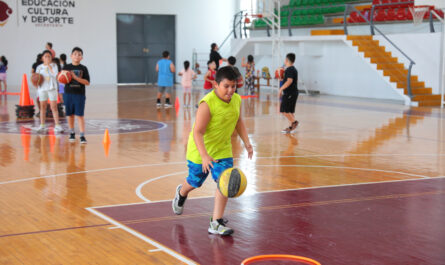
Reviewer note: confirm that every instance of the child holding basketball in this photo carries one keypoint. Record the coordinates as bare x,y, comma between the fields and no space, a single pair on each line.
289,93
48,90
188,75
74,96
209,146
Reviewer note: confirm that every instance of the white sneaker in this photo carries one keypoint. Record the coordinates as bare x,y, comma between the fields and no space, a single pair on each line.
58,129
168,105
219,227
41,128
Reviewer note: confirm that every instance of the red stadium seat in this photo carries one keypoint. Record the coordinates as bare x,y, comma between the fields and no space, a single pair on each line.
401,14
380,15
391,14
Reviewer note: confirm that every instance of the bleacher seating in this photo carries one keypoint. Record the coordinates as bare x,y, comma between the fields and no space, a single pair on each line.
314,12
397,10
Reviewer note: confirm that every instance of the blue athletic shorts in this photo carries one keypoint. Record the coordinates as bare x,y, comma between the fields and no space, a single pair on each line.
196,177
74,104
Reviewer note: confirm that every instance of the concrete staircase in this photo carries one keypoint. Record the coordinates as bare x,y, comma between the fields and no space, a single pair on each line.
397,73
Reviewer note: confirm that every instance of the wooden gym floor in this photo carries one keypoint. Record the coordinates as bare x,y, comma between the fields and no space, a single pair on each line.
360,182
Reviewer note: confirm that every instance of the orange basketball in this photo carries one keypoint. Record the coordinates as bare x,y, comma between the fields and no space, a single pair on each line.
64,77
37,79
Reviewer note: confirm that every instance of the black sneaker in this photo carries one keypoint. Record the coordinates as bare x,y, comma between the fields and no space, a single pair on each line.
294,125
72,137
83,140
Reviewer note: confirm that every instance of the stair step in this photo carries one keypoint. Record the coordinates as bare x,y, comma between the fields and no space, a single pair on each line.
359,37
429,103
376,53
414,78
369,48
396,72
426,97
384,60
385,66
327,32
417,91
417,84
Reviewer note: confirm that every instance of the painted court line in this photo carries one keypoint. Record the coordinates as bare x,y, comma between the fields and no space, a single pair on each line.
183,162
142,197
142,237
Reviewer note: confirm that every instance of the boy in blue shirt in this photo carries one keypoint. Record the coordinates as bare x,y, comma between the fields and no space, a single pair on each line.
165,69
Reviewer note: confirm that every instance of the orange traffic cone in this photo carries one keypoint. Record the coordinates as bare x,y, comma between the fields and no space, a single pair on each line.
177,105
24,93
32,101
107,149
106,137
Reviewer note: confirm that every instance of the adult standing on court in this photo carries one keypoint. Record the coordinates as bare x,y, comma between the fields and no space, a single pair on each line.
215,56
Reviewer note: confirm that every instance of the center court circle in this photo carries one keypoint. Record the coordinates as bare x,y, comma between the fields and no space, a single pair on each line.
92,126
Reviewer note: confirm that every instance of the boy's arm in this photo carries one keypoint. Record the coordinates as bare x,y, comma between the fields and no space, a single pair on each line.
241,129
84,81
206,76
284,86
157,68
202,119
172,68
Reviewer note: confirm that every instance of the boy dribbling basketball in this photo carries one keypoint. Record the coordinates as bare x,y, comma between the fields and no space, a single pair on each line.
289,93
209,146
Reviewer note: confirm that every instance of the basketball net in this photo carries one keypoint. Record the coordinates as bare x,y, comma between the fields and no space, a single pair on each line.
418,13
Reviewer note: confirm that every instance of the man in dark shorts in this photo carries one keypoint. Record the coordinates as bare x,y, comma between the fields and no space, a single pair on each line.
289,93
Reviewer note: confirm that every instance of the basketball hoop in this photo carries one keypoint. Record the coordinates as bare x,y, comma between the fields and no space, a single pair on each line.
418,13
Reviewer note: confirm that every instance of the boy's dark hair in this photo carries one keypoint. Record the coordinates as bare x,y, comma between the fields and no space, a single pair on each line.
250,59
63,57
77,49
57,62
226,72
291,57
4,61
212,46
49,44
39,58
209,62
231,60
47,51
186,65
165,54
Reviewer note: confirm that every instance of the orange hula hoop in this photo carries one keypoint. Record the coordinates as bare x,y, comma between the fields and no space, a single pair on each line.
279,257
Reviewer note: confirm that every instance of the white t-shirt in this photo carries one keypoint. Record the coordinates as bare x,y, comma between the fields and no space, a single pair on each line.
187,77
49,77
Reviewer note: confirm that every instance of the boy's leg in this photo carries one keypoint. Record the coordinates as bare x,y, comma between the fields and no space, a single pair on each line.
217,223
53,104
81,122
219,206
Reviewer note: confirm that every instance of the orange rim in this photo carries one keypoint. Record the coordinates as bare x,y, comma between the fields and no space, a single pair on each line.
279,257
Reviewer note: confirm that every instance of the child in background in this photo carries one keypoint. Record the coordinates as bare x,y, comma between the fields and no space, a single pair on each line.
62,86
165,69
239,83
209,147
289,93
250,74
3,68
209,77
188,75
48,90
74,97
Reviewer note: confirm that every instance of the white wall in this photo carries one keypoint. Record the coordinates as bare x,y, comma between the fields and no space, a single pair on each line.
198,24
328,65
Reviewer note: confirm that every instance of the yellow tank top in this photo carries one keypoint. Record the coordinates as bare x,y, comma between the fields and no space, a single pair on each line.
217,138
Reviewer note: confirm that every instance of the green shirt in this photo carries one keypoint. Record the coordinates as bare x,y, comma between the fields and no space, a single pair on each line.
217,137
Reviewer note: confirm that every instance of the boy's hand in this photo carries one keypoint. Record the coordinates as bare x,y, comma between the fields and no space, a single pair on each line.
249,149
280,93
207,163
74,76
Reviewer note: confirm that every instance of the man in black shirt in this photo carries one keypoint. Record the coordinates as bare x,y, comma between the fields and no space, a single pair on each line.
215,56
74,96
289,93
